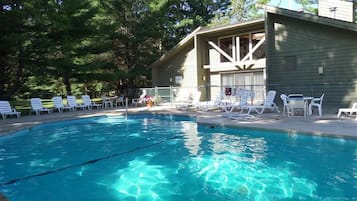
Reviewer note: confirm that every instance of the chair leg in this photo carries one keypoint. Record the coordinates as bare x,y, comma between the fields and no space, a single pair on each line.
283,110
320,111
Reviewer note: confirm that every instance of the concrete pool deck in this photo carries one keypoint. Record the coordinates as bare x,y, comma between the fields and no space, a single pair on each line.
327,125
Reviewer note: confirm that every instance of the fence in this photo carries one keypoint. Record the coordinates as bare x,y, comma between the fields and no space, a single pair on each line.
169,95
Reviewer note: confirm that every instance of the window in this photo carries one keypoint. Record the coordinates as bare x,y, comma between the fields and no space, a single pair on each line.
250,81
243,45
226,44
260,52
248,41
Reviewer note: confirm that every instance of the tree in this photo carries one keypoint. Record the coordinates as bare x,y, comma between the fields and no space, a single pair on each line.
145,29
70,37
239,10
16,45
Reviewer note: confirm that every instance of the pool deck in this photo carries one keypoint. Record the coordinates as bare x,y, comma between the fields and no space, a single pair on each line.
327,125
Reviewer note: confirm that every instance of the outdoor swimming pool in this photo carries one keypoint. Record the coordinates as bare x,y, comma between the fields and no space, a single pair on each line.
161,157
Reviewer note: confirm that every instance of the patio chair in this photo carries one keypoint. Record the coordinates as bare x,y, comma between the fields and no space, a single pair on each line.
139,100
211,105
37,107
87,102
58,104
120,101
192,102
267,105
244,97
348,111
316,102
284,98
6,110
296,103
72,102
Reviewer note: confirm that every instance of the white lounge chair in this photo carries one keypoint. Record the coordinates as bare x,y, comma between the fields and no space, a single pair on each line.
211,105
58,104
37,107
267,105
139,100
192,102
316,102
6,110
72,102
244,97
87,102
348,111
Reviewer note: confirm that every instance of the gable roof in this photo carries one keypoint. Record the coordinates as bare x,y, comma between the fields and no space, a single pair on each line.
177,47
201,30
312,18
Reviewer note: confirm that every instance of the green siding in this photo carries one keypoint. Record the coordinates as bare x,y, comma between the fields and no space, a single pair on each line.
173,66
314,46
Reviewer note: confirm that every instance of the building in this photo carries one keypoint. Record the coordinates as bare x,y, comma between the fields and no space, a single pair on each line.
288,51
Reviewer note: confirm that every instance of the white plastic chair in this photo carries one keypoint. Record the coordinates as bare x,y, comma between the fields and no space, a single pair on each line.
119,101
316,102
243,102
37,107
140,100
72,102
6,110
194,101
284,98
267,105
296,102
87,102
348,111
211,105
58,104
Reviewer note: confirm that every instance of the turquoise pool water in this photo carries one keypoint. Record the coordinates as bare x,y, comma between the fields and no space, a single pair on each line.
172,158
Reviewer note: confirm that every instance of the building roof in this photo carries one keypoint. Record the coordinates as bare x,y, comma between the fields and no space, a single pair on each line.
177,47
201,30
311,18
269,9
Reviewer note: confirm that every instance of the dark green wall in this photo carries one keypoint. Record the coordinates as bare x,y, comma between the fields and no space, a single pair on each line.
312,45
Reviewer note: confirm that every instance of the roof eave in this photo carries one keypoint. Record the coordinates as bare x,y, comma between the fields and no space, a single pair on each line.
312,18
178,46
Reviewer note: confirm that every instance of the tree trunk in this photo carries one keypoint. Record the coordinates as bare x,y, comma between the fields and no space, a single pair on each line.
67,84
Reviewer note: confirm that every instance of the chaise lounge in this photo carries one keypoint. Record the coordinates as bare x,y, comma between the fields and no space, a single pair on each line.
6,110
348,111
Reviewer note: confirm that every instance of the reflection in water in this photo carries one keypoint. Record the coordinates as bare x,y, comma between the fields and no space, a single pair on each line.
247,180
241,147
191,139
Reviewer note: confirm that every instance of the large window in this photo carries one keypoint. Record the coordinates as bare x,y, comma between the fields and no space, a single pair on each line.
239,46
250,81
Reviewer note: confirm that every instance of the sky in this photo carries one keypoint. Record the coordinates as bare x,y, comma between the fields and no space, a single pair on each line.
288,4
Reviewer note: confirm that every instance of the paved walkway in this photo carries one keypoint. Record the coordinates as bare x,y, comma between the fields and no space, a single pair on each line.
328,125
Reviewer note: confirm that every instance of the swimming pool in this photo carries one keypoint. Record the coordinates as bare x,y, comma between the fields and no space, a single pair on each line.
162,157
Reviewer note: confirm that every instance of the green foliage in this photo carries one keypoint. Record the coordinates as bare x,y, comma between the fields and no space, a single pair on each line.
61,47
239,10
